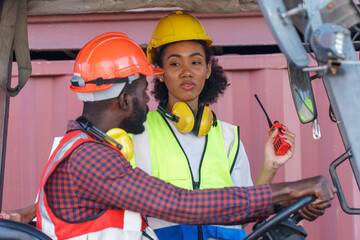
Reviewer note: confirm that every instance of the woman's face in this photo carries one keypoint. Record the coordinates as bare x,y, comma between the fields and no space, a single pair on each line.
185,72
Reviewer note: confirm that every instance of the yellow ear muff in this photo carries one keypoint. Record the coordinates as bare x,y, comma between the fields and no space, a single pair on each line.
186,117
121,136
204,121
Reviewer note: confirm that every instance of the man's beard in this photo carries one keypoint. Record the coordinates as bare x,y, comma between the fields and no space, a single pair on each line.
135,122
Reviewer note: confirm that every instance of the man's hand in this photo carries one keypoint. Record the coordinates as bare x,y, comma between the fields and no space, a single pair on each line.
24,215
311,212
317,186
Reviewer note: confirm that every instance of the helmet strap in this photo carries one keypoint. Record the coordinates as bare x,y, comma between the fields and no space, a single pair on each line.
78,81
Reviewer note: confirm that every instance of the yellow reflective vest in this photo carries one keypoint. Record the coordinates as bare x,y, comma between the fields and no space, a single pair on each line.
170,163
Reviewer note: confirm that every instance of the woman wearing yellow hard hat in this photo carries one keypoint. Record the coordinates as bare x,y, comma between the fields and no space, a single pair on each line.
184,143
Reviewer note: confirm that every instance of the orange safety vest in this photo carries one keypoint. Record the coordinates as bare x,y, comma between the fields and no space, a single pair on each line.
110,224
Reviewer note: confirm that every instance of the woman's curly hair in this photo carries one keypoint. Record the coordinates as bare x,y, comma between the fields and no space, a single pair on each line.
214,86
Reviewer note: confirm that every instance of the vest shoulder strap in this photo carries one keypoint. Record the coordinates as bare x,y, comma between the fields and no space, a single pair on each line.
235,149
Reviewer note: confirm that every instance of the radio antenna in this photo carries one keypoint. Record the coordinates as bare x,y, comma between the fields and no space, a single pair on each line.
268,119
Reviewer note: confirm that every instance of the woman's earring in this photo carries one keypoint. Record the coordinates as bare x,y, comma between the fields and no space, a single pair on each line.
161,78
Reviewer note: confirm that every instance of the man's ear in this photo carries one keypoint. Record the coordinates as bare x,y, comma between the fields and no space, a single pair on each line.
124,100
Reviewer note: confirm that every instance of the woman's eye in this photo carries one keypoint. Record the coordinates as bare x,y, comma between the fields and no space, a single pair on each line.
197,60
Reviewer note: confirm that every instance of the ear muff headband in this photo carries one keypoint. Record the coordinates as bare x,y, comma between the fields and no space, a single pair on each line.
181,114
185,120
115,136
168,115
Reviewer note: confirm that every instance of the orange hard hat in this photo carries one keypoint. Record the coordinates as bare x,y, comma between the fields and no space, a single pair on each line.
107,60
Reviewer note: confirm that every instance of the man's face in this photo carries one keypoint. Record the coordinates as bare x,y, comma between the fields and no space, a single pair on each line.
135,122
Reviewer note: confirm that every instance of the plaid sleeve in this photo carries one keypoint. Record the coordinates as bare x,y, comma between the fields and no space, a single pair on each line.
104,178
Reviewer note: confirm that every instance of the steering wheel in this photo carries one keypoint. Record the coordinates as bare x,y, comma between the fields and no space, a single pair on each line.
16,230
281,216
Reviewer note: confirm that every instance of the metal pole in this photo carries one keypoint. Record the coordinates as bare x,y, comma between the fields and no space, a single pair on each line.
4,116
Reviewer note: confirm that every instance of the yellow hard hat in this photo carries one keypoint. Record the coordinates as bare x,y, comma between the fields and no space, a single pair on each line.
175,27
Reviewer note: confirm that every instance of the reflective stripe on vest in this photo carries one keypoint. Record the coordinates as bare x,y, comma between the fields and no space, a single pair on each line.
110,224
215,168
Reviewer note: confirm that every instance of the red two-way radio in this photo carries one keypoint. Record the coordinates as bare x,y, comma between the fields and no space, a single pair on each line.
280,145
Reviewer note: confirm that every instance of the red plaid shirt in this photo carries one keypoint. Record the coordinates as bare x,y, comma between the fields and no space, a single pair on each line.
96,177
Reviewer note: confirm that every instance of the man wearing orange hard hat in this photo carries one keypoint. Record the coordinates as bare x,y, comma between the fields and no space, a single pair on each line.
89,190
